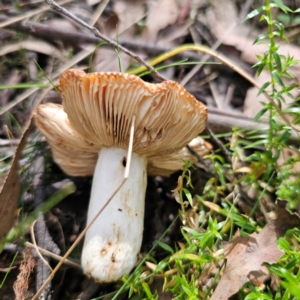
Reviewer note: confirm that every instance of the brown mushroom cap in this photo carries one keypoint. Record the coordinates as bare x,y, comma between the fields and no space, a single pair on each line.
100,107
77,157
97,112
70,151
167,164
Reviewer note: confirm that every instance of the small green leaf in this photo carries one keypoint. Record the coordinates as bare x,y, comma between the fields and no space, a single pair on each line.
261,113
165,246
278,61
188,256
264,17
255,12
291,110
290,96
147,290
263,88
261,37
188,195
23,86
277,78
280,5
260,68
281,29
291,87
257,143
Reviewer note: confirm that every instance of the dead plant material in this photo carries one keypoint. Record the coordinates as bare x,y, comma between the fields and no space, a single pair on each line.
97,33
11,188
245,255
22,282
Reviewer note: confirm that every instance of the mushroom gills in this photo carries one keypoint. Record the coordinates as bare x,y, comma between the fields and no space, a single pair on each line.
113,242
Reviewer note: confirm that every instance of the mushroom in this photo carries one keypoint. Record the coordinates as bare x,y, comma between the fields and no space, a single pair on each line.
90,133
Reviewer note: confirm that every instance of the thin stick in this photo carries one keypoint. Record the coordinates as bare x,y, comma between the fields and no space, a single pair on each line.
97,33
53,255
36,247
220,144
81,235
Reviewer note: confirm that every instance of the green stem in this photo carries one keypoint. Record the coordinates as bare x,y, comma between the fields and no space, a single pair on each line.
272,49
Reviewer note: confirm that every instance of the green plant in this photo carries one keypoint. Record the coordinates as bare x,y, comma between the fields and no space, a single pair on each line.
278,134
264,171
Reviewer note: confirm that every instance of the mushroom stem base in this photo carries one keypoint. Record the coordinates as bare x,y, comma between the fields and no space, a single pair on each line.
113,242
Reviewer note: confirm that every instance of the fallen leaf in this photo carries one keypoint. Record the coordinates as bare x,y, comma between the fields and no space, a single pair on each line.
10,191
129,12
224,14
223,20
245,255
120,25
259,277
106,60
161,14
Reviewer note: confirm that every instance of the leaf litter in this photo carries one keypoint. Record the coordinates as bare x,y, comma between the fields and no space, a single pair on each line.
11,188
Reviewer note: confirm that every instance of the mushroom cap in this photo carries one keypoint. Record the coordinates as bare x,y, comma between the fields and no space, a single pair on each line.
167,164
77,157
100,107
70,151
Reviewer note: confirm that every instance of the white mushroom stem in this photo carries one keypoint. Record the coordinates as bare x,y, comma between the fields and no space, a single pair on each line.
113,242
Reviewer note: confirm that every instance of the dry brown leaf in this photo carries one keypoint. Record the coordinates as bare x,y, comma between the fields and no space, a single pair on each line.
161,14
129,12
222,18
106,60
10,191
245,255
119,25
58,23
223,14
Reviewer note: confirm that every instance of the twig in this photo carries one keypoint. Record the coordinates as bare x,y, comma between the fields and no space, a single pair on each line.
207,169
16,248
82,234
97,33
36,246
76,39
54,256
220,144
